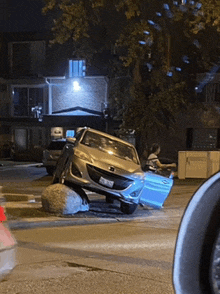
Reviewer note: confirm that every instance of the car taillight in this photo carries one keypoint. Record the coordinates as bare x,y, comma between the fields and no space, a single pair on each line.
2,214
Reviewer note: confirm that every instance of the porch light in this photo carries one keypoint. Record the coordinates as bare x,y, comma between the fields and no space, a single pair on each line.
76,86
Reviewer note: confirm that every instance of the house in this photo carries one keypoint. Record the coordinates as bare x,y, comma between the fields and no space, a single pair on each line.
46,93
34,99
42,89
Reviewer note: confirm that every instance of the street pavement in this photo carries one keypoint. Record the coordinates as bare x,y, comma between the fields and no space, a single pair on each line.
100,211
130,254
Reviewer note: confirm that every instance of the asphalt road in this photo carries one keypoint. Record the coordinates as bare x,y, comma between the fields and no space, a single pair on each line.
128,257
132,255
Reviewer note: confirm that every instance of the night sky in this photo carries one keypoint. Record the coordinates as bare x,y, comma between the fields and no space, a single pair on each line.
24,15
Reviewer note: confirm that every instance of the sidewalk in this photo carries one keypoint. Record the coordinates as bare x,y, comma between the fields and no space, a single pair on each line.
7,162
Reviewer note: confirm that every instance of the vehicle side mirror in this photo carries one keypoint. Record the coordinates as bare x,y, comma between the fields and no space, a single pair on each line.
71,140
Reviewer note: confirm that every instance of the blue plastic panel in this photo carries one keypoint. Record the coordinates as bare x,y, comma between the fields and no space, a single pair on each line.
156,190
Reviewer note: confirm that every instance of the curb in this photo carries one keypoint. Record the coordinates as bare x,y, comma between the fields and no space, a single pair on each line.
12,197
56,222
10,163
19,225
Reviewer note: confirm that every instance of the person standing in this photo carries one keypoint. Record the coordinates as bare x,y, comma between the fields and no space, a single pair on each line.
153,163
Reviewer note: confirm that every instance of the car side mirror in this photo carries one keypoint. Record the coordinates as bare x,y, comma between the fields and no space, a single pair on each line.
71,140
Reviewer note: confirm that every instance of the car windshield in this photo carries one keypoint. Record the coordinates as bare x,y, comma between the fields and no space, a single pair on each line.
109,146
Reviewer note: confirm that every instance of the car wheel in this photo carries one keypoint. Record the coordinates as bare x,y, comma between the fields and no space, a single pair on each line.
196,257
109,199
127,208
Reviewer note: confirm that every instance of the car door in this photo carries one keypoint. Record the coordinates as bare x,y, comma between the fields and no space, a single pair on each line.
156,190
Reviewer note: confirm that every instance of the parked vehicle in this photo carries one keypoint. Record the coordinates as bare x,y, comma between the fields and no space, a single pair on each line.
110,166
7,244
197,253
52,153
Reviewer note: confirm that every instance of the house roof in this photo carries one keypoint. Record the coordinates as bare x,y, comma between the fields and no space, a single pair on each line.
77,111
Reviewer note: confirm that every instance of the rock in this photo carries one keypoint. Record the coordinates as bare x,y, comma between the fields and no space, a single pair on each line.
62,199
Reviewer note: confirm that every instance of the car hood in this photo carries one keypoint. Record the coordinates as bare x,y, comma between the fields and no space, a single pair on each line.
104,160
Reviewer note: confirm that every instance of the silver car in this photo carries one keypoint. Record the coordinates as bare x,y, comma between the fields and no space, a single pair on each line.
102,163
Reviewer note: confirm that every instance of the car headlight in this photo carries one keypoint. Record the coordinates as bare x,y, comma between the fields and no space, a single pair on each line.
82,155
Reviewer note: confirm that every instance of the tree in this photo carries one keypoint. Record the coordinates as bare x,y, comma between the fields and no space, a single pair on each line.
161,47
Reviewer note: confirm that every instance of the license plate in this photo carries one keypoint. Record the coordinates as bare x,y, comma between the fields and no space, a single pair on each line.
106,183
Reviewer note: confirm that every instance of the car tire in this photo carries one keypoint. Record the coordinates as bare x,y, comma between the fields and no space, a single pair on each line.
196,240
127,208
109,199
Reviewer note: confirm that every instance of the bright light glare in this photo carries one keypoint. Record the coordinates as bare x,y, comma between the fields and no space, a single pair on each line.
76,86
110,152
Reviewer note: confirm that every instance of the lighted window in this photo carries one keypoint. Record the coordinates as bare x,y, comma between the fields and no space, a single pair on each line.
77,68
70,133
